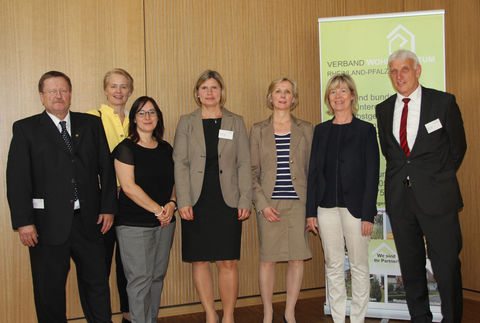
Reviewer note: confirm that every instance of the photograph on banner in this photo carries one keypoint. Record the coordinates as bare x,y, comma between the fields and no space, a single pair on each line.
360,46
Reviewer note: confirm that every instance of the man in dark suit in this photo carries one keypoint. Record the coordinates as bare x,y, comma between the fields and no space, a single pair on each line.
423,140
61,191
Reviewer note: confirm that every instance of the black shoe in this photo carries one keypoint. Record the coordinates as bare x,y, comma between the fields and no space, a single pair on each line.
124,320
284,319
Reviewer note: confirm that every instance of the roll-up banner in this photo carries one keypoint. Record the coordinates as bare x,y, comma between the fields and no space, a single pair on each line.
360,46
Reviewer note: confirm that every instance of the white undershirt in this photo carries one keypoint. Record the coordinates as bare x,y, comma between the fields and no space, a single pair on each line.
413,118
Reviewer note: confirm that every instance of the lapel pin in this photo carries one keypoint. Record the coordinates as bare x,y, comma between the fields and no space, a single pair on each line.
76,135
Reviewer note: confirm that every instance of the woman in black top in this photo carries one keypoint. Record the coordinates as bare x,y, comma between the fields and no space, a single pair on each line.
342,194
145,223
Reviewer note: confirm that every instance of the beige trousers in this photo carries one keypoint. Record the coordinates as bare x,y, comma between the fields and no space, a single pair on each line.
338,227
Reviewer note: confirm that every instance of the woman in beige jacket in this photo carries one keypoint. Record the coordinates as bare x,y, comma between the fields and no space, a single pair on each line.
214,189
280,149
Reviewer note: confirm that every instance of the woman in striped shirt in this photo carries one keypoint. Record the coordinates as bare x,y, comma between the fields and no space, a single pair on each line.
280,151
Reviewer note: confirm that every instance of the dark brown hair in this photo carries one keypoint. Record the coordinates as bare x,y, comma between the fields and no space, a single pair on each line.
53,74
132,127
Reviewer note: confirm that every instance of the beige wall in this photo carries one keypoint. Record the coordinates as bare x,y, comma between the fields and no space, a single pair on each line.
165,45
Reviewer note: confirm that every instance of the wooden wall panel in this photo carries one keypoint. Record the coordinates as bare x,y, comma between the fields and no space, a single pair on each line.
84,39
250,43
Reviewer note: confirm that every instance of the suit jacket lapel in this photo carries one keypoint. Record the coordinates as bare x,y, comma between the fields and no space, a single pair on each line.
295,135
227,124
52,133
425,111
76,130
197,129
268,144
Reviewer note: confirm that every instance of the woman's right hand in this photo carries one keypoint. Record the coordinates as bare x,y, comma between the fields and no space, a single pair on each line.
186,213
270,214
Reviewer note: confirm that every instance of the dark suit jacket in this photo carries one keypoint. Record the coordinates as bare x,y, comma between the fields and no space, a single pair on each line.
359,167
40,167
434,158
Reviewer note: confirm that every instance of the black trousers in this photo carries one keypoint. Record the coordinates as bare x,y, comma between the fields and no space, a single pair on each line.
50,266
444,241
110,242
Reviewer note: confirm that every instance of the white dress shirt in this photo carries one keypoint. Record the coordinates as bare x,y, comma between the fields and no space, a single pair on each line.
413,118
56,121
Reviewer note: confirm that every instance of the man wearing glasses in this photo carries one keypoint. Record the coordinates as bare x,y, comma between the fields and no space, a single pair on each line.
61,192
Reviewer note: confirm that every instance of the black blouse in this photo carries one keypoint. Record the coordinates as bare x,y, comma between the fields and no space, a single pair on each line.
153,171
333,196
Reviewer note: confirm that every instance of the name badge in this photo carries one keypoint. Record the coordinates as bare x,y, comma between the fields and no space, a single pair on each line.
38,204
225,134
433,125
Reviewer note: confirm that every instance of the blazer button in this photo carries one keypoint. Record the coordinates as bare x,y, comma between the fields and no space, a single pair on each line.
293,178
221,171
291,162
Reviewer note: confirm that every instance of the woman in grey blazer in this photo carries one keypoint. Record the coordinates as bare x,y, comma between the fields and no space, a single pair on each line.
214,188
280,150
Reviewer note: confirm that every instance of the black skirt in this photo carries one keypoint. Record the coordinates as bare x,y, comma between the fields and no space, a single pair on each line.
215,231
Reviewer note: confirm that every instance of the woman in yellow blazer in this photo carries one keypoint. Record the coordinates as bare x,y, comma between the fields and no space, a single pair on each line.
280,150
118,86
214,188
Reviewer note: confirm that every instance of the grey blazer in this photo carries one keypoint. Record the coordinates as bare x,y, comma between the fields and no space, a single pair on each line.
264,159
189,155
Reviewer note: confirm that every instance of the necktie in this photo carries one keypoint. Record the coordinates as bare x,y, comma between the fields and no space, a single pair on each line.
403,127
68,143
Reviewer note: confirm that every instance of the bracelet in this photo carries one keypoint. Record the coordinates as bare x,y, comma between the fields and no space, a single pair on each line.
174,202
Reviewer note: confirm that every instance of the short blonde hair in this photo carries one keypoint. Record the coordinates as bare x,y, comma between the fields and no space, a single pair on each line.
334,82
210,74
274,84
120,71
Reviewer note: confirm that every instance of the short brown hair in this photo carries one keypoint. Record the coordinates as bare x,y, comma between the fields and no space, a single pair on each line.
334,82
274,84
210,74
120,71
51,74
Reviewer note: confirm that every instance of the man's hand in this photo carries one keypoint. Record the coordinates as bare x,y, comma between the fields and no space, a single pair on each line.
28,235
107,220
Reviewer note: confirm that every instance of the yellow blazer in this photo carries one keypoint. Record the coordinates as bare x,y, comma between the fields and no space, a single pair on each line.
189,155
264,159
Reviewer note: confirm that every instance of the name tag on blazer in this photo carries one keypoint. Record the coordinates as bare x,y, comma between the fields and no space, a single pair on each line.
433,125
225,134
38,204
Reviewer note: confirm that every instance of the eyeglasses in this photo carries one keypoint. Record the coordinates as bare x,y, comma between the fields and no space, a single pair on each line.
56,92
143,113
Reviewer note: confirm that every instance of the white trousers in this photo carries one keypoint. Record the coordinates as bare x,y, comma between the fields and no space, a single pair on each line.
337,227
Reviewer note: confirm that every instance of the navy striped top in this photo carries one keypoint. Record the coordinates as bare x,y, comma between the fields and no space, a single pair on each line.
283,189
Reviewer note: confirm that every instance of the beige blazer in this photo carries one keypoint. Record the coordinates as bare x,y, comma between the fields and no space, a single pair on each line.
264,159
189,155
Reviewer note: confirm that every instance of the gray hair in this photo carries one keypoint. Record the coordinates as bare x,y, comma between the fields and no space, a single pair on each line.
404,54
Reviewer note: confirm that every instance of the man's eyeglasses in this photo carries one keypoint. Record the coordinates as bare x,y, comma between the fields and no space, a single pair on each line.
56,92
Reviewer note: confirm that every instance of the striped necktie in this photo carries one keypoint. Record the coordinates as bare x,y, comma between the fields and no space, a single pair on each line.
68,143
403,128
